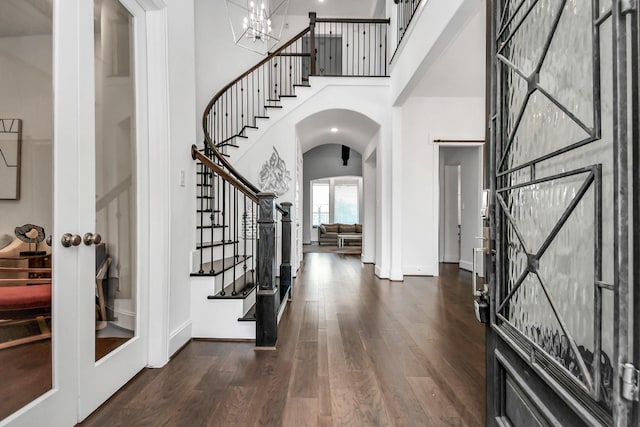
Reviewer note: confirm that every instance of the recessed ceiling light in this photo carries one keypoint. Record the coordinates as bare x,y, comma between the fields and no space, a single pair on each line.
321,1
334,130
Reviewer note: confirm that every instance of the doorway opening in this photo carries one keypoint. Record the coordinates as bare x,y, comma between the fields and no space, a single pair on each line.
460,199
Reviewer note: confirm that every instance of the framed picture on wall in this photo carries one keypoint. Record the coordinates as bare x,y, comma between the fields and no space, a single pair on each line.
10,158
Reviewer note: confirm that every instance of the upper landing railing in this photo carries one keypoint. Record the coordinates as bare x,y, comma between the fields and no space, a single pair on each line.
405,10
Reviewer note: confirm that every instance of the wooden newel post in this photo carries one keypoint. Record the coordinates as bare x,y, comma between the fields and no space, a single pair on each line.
312,42
267,301
286,283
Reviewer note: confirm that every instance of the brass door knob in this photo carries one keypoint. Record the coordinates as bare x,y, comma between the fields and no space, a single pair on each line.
69,240
91,239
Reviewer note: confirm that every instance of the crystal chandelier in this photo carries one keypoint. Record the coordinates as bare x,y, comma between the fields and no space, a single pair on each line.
257,24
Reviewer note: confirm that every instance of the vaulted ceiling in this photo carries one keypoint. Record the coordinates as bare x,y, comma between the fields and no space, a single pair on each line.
354,130
339,8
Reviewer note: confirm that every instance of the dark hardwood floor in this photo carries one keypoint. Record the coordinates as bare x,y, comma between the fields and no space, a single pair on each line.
353,350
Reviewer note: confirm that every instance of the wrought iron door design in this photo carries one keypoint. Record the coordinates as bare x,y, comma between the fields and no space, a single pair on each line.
559,175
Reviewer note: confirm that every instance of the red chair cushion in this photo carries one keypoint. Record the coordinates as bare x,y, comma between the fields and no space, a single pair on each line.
25,300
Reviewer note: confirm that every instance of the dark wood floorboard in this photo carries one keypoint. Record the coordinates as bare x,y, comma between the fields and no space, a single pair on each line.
353,350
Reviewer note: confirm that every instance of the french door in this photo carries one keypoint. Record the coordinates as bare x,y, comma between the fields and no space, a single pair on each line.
564,180
99,240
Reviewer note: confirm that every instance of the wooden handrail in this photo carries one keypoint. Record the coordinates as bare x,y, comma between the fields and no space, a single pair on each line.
209,142
278,52
355,20
197,155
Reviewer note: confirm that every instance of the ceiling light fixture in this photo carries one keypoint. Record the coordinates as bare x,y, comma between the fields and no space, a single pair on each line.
257,24
334,130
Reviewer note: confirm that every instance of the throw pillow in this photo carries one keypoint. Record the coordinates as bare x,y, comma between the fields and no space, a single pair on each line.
331,228
323,228
347,228
358,228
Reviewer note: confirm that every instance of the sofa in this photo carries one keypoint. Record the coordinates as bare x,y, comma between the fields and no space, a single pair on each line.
328,233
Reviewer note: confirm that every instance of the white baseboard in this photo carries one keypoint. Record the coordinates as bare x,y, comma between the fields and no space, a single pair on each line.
466,265
419,270
450,258
380,273
179,337
283,306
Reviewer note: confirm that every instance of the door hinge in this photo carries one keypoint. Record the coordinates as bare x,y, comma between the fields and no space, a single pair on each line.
630,382
627,6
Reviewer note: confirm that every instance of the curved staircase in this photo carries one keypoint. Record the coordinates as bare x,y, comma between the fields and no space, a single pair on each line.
235,291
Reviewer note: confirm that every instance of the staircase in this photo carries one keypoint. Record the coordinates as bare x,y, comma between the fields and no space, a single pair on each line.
235,292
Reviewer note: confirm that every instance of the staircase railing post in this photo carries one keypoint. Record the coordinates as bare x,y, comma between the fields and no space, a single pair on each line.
267,302
312,42
286,283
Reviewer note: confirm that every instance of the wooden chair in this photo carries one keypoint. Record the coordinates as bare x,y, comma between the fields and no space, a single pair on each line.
101,311
25,300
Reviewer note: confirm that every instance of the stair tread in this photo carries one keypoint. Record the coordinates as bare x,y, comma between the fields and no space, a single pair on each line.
242,289
249,316
215,244
226,144
208,211
273,106
262,117
221,265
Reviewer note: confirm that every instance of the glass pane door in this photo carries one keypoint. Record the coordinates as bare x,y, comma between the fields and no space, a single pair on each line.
115,171
26,204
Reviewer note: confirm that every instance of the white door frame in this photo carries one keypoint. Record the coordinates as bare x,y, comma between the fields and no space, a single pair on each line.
99,380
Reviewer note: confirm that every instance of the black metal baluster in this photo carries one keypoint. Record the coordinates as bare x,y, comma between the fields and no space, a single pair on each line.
202,169
235,237
223,215
244,249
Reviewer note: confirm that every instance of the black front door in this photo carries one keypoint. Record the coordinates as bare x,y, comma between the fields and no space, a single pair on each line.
563,160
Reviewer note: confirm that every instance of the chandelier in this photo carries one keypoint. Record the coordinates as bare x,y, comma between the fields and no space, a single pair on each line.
257,24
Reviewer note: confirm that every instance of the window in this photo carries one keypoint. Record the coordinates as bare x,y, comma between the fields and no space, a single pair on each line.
320,203
346,203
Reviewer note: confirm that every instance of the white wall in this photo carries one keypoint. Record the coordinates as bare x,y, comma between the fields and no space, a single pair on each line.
182,116
366,96
369,203
426,119
324,161
26,93
449,184
434,25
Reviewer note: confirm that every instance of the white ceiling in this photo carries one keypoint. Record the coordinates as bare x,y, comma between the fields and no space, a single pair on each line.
338,8
355,130
460,69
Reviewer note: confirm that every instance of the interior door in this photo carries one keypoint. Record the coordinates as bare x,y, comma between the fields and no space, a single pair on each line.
62,45
563,144
112,295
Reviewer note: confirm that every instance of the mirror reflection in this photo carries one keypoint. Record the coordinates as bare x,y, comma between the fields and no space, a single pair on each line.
26,215
115,177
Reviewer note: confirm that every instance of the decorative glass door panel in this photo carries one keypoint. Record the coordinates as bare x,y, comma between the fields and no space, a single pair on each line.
560,289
